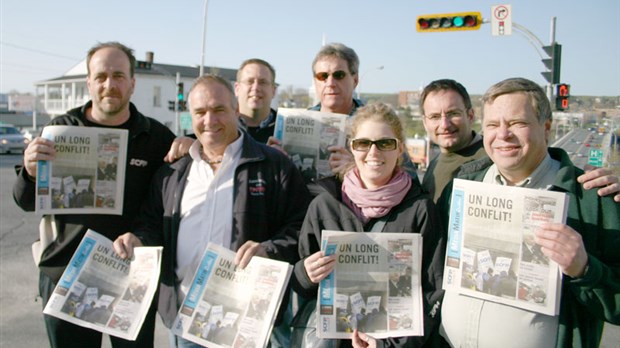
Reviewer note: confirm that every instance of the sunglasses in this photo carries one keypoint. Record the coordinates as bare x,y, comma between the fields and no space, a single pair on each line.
387,144
338,75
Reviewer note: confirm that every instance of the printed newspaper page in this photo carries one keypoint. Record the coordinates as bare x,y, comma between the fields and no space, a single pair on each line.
103,292
375,286
230,307
88,174
491,252
306,135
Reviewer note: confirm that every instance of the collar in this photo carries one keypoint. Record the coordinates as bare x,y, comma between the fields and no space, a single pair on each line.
267,122
232,150
356,104
542,177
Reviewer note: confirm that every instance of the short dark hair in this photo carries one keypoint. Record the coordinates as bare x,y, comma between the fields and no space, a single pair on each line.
341,51
259,62
112,44
212,78
537,96
445,85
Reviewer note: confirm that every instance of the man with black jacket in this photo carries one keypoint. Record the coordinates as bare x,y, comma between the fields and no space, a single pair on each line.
111,82
230,190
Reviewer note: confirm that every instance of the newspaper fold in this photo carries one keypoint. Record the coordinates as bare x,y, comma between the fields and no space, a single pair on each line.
88,174
101,291
491,253
306,135
231,307
375,286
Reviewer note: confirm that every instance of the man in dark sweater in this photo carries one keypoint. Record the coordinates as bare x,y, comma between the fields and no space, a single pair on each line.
255,89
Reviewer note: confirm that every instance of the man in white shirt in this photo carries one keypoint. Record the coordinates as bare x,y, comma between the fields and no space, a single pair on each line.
229,190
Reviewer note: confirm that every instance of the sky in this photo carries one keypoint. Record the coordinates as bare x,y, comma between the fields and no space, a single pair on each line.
41,40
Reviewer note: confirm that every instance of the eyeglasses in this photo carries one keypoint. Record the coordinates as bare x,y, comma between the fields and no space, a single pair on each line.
386,144
338,75
450,115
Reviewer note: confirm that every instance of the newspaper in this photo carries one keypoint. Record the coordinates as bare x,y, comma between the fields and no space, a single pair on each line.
230,307
491,252
88,174
306,135
375,286
101,291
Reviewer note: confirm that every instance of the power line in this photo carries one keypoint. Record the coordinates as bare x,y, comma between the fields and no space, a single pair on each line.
38,51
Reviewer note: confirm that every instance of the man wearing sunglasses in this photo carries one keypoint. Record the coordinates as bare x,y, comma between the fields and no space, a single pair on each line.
335,69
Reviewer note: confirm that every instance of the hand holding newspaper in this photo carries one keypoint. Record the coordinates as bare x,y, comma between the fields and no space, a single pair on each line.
88,174
230,307
101,291
491,253
375,286
306,135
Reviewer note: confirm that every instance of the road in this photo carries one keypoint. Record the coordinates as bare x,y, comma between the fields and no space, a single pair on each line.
21,323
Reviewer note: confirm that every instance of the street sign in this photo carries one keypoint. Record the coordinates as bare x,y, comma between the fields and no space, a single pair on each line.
596,157
186,120
501,20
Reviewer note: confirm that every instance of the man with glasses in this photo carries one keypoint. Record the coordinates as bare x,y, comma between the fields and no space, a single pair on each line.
255,89
448,120
335,69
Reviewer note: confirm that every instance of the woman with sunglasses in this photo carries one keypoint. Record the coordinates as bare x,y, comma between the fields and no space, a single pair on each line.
375,189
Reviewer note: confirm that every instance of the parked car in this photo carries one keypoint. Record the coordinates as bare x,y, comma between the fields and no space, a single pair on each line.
11,140
30,133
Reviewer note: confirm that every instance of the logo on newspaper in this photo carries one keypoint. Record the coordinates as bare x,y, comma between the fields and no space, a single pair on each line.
257,187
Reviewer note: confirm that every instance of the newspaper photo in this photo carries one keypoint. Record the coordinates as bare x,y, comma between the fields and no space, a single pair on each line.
375,286
101,291
88,173
491,253
306,135
231,307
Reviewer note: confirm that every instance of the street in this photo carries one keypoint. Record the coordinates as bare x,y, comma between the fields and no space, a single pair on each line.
21,322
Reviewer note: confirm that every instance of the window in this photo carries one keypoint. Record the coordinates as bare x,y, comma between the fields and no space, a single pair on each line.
157,96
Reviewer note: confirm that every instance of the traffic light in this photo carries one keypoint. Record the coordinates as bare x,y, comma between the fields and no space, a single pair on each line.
180,95
554,51
561,96
449,22
182,105
171,105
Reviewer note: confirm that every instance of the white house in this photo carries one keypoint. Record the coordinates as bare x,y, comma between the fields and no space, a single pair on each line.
156,85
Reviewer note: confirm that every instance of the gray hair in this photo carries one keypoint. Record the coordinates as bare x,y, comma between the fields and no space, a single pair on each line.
212,78
341,51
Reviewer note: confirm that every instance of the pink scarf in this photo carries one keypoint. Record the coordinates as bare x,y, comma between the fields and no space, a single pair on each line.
373,203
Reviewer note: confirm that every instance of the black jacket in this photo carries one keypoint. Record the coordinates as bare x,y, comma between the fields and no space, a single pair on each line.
269,204
415,214
148,143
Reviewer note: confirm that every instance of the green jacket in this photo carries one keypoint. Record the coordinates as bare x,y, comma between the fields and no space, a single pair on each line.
589,301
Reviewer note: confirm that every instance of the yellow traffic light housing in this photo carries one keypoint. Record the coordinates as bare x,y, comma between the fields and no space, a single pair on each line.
449,22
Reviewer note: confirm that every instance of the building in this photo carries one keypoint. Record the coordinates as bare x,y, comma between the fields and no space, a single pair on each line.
156,87
410,99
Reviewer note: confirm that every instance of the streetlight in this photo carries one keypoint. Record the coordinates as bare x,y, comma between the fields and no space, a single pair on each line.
359,90
204,37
